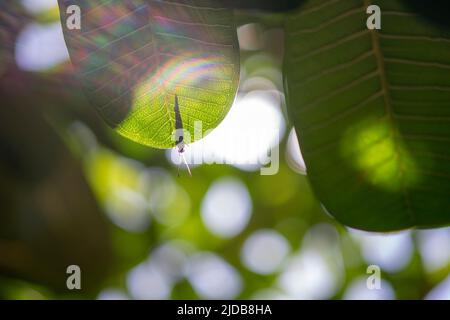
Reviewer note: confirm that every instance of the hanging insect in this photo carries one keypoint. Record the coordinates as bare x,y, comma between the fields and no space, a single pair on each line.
179,135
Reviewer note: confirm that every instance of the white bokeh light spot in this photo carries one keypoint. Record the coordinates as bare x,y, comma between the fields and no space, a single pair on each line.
148,282
357,290
171,259
392,252
41,47
309,276
213,278
265,251
434,247
38,6
226,207
441,291
253,126
112,294
294,155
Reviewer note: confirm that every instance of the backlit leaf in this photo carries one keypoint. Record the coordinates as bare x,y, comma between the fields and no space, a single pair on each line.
134,56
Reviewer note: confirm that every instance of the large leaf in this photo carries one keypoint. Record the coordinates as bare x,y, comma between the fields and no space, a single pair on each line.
372,111
267,5
134,56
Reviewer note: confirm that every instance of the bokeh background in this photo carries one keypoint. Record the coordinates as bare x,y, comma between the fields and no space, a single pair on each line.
74,192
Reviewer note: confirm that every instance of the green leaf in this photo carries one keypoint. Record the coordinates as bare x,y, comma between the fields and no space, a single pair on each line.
372,111
134,56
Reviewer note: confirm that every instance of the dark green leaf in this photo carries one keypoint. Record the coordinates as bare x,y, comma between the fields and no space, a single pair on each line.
372,111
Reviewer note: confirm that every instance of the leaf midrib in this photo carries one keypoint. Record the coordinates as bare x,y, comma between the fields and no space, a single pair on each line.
155,41
379,57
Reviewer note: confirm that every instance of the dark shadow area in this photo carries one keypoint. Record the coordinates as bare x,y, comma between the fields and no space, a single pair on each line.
271,6
436,11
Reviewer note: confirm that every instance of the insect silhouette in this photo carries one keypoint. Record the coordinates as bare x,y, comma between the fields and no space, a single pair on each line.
179,135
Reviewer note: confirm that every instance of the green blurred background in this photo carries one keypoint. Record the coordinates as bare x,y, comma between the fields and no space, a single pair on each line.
74,192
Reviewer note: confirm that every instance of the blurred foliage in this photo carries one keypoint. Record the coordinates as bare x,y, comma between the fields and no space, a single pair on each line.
75,192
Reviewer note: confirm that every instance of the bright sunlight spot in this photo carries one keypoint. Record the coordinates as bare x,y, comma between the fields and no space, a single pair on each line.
380,158
441,291
226,207
41,47
112,294
249,36
244,139
213,278
434,247
37,6
294,155
358,290
148,282
309,276
265,251
172,258
392,252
